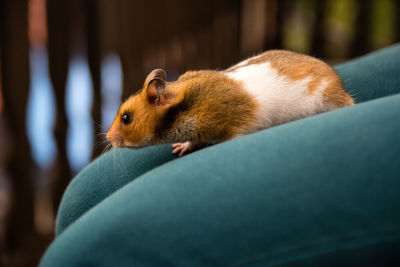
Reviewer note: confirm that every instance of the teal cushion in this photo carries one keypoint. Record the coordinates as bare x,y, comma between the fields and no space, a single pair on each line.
307,189
320,190
372,76
104,176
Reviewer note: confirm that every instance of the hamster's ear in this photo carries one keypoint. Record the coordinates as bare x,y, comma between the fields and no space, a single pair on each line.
155,86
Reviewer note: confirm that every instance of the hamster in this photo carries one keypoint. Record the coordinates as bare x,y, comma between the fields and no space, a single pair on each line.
210,106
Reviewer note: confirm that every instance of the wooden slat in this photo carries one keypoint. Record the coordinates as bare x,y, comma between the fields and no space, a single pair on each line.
91,11
361,43
15,85
58,23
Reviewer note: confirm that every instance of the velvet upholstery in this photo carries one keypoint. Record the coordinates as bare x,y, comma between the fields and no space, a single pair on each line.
321,191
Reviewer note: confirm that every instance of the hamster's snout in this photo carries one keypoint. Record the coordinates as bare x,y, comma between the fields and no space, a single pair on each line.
115,137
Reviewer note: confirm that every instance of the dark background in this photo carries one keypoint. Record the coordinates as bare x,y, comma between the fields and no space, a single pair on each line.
65,66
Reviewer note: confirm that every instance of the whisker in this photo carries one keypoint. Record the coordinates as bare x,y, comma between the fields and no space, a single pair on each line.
123,162
114,151
106,149
101,143
101,126
103,147
101,154
101,135
104,142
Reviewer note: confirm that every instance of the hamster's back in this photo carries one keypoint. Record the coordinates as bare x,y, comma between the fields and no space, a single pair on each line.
289,86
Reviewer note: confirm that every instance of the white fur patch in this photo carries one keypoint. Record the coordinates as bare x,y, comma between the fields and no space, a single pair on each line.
280,100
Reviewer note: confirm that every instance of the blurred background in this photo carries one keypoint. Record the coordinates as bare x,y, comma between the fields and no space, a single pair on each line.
67,64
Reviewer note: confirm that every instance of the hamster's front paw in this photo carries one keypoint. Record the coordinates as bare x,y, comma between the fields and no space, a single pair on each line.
183,148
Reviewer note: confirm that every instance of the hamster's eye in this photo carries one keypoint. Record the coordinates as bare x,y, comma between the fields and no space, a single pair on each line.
126,118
